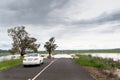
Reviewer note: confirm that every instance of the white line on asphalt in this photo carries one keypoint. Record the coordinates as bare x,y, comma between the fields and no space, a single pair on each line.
43,70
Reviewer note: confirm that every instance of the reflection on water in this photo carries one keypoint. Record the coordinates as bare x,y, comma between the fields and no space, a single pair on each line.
9,57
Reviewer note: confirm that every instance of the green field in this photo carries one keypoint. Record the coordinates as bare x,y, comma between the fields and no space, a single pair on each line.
83,51
89,51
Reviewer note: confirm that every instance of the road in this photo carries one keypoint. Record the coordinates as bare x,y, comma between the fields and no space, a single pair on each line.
52,69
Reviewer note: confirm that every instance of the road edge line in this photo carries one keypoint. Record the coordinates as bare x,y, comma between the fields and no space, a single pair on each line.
43,70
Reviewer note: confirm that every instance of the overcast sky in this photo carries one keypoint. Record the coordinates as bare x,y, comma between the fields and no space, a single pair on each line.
75,24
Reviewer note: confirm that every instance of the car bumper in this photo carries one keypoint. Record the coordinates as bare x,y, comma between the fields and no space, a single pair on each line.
30,63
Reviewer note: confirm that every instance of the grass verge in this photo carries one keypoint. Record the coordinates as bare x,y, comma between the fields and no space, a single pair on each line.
100,69
94,62
9,64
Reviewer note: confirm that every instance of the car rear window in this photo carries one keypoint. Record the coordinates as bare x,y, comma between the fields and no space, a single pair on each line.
31,55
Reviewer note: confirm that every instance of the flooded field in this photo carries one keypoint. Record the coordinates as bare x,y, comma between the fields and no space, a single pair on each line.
114,56
9,57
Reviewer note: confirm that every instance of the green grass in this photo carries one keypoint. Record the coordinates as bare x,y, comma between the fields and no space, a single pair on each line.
89,51
94,62
100,51
9,64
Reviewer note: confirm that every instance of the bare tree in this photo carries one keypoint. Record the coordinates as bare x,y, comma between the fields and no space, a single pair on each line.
50,46
22,41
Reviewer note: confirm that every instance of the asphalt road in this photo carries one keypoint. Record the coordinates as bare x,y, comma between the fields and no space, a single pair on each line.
54,69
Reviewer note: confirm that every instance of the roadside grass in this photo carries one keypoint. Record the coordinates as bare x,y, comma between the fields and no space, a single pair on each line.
9,64
94,62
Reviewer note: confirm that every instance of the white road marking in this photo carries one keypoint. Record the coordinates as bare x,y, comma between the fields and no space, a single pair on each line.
43,70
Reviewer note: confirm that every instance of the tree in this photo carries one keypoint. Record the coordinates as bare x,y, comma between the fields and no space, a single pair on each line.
22,41
50,46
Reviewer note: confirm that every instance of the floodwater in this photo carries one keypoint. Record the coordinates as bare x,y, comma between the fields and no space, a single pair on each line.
9,57
114,56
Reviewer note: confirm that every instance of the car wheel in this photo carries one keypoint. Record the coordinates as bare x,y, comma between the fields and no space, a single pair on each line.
24,65
42,62
39,63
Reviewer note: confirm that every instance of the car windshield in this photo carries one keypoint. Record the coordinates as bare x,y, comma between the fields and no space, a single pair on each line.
31,55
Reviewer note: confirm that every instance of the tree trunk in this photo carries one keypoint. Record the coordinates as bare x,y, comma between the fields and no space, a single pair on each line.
49,56
22,53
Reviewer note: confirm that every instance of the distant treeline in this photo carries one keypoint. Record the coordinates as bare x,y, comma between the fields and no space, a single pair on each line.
3,50
86,51
78,51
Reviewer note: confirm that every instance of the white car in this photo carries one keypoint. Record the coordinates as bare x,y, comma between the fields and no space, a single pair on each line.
32,59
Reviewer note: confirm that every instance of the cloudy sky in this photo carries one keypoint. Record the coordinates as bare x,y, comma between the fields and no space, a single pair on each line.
75,24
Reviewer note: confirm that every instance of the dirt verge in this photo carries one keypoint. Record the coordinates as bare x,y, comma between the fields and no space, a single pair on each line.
100,74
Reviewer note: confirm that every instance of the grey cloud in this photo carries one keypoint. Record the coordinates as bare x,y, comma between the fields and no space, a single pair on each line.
113,29
37,12
29,11
112,19
102,19
5,45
